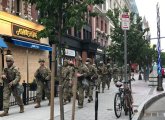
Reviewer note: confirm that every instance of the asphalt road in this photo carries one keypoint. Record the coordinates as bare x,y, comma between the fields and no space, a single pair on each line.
156,111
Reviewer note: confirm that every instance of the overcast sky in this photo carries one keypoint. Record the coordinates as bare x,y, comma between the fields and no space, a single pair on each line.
147,8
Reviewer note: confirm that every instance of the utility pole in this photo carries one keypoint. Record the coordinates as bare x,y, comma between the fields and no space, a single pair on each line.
160,87
125,26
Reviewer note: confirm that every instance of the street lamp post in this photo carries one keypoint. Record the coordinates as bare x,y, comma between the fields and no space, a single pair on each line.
160,87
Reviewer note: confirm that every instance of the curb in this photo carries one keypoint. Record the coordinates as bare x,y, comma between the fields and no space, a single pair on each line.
146,104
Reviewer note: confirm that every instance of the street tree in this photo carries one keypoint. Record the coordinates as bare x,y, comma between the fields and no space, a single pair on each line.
137,46
58,16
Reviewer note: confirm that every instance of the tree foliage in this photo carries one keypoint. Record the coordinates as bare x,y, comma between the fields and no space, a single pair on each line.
138,49
59,15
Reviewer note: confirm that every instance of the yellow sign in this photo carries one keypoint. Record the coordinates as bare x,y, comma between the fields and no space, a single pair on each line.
24,32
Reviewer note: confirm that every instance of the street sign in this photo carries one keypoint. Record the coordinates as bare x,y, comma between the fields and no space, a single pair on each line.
125,25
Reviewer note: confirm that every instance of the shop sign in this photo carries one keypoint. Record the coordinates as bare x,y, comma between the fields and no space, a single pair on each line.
24,32
69,52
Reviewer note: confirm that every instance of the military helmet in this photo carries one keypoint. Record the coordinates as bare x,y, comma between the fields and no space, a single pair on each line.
9,58
41,60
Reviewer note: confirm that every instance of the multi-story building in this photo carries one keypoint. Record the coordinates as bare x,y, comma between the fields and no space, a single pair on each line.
102,25
18,32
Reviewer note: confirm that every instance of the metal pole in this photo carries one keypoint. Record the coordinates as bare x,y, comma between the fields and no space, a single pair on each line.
96,105
74,94
125,56
160,87
27,53
52,82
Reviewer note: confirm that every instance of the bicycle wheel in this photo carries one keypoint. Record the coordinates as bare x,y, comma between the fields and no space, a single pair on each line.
117,105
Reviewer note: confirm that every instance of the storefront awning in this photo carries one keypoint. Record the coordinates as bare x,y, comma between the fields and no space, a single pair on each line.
2,43
31,45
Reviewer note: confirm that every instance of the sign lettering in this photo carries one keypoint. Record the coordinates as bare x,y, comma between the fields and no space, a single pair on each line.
23,32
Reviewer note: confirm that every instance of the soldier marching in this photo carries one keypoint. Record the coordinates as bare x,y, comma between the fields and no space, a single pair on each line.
90,75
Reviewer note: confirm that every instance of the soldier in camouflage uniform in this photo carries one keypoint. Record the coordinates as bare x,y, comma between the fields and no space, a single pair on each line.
121,73
115,73
109,75
71,75
92,75
42,77
98,80
104,71
82,73
10,78
65,82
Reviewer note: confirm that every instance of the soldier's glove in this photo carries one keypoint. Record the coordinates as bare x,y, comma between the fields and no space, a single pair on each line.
10,84
3,77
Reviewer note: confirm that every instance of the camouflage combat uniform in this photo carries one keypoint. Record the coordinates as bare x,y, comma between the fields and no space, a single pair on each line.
42,76
11,81
109,75
115,73
83,71
103,76
92,75
65,81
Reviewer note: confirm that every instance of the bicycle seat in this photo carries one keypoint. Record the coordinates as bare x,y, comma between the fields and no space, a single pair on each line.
119,84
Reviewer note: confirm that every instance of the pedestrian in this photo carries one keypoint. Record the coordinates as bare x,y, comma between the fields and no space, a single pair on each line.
42,76
11,77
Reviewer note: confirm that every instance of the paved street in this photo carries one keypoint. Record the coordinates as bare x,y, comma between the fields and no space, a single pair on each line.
156,111
141,92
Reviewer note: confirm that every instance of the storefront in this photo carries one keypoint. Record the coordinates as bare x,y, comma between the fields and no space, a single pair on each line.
20,36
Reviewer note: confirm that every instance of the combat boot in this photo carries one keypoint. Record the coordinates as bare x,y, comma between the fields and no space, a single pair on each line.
80,106
5,113
49,103
37,105
21,109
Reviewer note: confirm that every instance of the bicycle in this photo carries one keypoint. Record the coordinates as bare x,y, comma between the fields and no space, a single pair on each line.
123,99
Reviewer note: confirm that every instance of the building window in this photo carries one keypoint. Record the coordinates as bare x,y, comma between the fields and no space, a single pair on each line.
101,42
104,6
100,5
105,28
69,31
97,22
101,25
110,3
